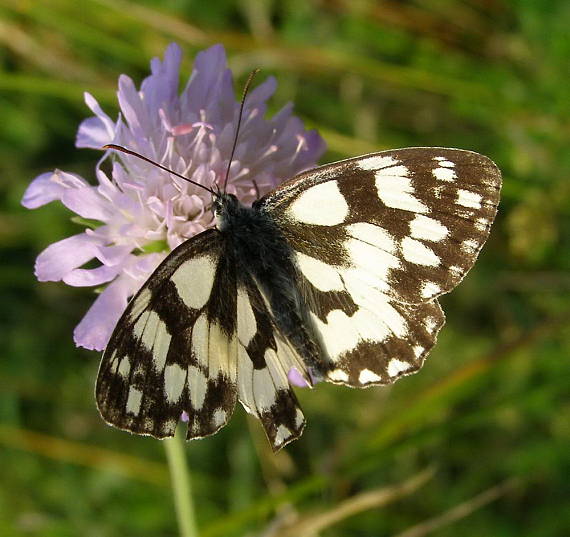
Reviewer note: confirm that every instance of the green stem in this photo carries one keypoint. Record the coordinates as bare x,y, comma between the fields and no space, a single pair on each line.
181,488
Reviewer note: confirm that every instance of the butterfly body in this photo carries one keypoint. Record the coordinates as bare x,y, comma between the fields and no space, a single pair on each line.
334,274
262,258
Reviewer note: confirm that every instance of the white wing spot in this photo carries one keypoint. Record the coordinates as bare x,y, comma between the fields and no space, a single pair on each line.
430,289
395,367
134,401
447,163
174,380
469,246
366,377
481,224
418,351
160,347
321,205
282,434
299,418
374,235
426,228
416,252
430,324
219,417
197,386
457,271
339,335
376,163
444,174
247,326
366,257
395,189
469,199
338,375
199,344
124,367
193,280
322,275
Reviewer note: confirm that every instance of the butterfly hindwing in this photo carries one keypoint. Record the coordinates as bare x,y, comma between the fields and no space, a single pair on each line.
173,354
264,359
368,338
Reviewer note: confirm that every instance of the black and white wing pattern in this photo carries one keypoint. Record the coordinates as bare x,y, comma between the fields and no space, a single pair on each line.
376,240
175,348
335,274
193,340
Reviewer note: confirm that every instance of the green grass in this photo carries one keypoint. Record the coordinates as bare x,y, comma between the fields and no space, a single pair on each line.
487,417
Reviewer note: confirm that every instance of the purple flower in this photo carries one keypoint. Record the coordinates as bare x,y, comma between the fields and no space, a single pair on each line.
137,213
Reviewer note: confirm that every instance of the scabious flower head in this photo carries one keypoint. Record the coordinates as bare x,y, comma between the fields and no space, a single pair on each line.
143,212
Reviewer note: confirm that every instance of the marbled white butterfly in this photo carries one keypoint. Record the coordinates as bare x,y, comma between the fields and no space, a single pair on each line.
335,274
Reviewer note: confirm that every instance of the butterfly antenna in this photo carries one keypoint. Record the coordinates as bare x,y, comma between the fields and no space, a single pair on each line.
244,95
150,161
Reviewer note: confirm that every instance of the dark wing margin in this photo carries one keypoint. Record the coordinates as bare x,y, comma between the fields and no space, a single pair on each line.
173,354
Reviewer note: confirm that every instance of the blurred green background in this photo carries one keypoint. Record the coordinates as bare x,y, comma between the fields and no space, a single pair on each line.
475,444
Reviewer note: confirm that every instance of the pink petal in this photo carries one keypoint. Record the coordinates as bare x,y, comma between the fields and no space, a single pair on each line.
97,131
89,277
261,93
209,81
297,379
95,329
113,255
88,203
132,106
161,87
48,187
60,258
92,134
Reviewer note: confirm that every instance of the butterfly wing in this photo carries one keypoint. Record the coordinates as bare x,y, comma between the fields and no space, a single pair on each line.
190,343
376,240
173,354
264,359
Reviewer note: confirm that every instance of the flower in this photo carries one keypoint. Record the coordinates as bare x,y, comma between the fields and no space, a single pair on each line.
137,213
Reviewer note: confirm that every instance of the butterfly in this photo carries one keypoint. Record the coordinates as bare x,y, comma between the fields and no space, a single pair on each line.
333,276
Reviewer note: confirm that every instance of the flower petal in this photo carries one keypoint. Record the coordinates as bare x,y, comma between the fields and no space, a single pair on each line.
113,255
61,257
92,133
95,132
95,329
89,277
297,379
132,106
161,87
48,187
88,203
210,81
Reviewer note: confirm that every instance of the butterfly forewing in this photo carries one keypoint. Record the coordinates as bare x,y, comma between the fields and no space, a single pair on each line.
173,354
411,220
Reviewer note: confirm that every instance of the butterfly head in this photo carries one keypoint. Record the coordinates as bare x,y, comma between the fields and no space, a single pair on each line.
225,206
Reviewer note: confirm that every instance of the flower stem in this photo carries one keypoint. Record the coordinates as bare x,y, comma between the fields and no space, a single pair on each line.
181,487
